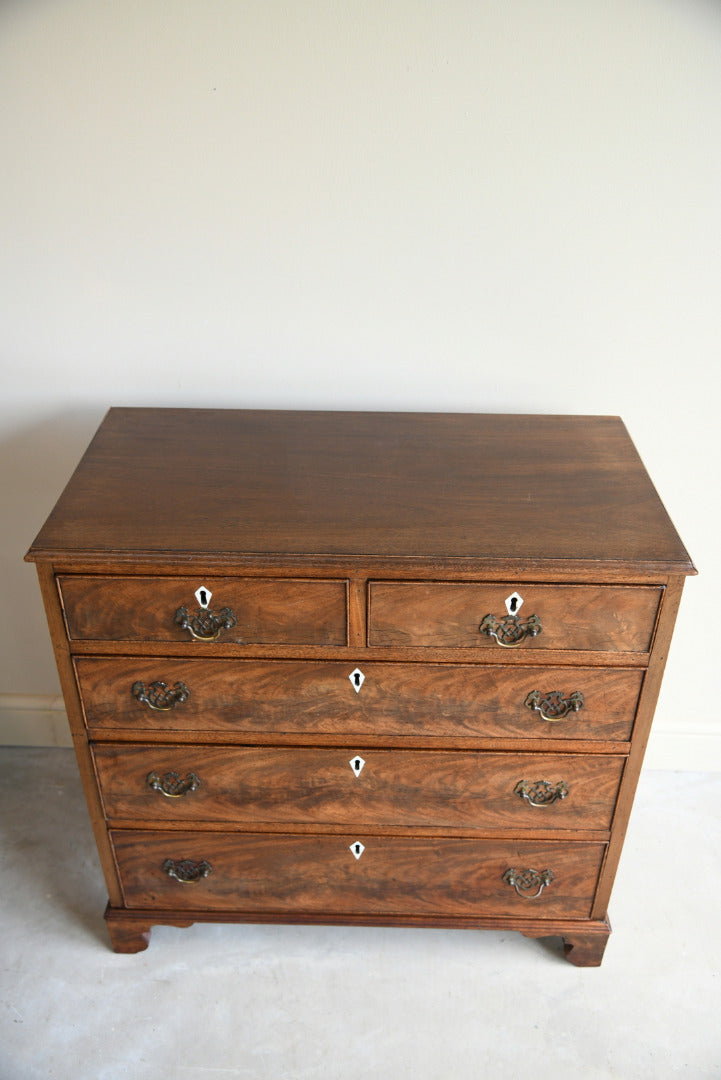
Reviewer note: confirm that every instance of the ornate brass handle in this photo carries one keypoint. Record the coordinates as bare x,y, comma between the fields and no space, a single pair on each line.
186,871
171,785
554,706
510,631
160,696
529,884
205,625
540,792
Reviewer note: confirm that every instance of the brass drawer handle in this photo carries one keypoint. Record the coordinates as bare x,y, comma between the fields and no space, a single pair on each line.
554,706
541,792
526,881
186,871
205,625
160,696
171,785
510,631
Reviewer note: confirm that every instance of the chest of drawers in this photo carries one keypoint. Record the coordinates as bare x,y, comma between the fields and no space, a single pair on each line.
393,669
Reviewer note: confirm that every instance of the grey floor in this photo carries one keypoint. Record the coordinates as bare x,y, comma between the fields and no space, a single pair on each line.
295,1003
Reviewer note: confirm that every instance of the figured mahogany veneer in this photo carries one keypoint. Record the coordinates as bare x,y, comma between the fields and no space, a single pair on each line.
309,700
270,612
297,785
391,669
612,619
277,873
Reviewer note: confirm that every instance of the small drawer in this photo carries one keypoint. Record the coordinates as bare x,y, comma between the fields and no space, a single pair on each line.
134,696
254,786
355,874
608,618
234,610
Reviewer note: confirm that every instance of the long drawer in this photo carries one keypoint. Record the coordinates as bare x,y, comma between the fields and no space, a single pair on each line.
300,785
595,618
310,698
356,873
242,610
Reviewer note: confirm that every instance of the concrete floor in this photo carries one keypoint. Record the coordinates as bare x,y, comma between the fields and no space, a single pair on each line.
299,1003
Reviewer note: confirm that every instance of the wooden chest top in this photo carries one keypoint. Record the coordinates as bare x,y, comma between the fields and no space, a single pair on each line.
550,493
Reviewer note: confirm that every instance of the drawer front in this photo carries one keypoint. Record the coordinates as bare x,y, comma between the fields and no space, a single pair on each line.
297,874
576,617
262,785
240,610
251,697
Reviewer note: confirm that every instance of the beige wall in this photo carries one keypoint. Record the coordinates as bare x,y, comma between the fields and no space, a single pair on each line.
504,206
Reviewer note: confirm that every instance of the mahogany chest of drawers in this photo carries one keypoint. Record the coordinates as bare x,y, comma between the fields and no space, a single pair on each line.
393,669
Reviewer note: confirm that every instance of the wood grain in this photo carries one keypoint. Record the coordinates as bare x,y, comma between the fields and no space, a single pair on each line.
577,617
267,610
438,789
394,875
245,698
553,491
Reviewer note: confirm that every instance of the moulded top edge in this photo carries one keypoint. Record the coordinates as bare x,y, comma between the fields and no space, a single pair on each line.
352,563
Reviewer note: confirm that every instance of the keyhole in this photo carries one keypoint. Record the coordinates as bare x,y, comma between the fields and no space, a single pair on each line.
513,603
203,595
357,678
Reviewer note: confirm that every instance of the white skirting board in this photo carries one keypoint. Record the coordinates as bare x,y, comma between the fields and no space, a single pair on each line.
33,720
36,720
691,750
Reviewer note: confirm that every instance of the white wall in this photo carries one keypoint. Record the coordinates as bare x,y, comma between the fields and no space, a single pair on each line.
487,205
